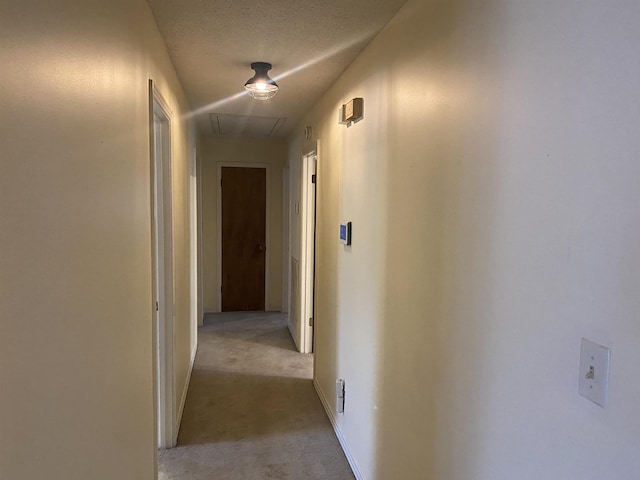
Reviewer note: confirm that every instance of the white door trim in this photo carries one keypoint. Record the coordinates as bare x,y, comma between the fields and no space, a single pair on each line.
200,247
267,263
162,265
307,253
286,240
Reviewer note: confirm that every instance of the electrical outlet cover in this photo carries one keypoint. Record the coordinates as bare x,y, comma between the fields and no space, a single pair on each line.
594,371
340,395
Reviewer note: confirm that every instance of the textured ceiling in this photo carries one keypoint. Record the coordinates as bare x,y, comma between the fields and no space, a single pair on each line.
310,43
232,124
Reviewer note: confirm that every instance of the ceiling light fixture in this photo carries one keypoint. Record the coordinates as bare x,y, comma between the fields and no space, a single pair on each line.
261,86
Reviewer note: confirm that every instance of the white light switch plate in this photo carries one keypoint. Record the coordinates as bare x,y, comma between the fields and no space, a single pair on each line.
340,395
594,371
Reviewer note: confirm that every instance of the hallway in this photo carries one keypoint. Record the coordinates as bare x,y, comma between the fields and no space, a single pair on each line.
251,411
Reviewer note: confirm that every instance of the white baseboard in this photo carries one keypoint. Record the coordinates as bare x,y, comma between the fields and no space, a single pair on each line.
185,390
336,428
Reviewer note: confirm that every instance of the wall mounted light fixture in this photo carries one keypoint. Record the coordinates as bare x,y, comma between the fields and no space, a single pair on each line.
351,112
261,86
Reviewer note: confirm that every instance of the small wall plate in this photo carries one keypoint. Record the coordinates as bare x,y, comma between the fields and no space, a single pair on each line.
593,381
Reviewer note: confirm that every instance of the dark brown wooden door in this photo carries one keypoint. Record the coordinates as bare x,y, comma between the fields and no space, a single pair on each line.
244,196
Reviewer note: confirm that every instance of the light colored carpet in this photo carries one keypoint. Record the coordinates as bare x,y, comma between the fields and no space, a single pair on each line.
251,411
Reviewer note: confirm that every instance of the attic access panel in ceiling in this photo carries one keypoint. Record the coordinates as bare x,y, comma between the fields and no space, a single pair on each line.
230,124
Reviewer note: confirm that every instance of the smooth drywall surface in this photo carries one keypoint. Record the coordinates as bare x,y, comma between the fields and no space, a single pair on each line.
493,190
217,150
75,238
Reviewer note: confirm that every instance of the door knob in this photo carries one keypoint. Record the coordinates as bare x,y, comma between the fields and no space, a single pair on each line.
262,248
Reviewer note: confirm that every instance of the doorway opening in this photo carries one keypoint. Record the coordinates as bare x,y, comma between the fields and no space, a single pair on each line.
162,264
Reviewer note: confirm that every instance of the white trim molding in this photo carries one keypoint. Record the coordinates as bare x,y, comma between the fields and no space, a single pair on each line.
307,252
162,305
336,428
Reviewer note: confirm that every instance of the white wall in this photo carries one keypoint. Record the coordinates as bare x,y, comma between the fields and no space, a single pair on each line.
216,150
493,190
75,238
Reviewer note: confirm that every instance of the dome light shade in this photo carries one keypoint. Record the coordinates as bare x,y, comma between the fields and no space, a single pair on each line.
261,86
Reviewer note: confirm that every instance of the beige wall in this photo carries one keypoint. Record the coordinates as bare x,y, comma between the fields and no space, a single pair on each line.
216,150
75,242
493,190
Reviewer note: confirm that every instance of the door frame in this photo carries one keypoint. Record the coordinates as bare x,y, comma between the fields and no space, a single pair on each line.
162,305
267,240
307,250
286,239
